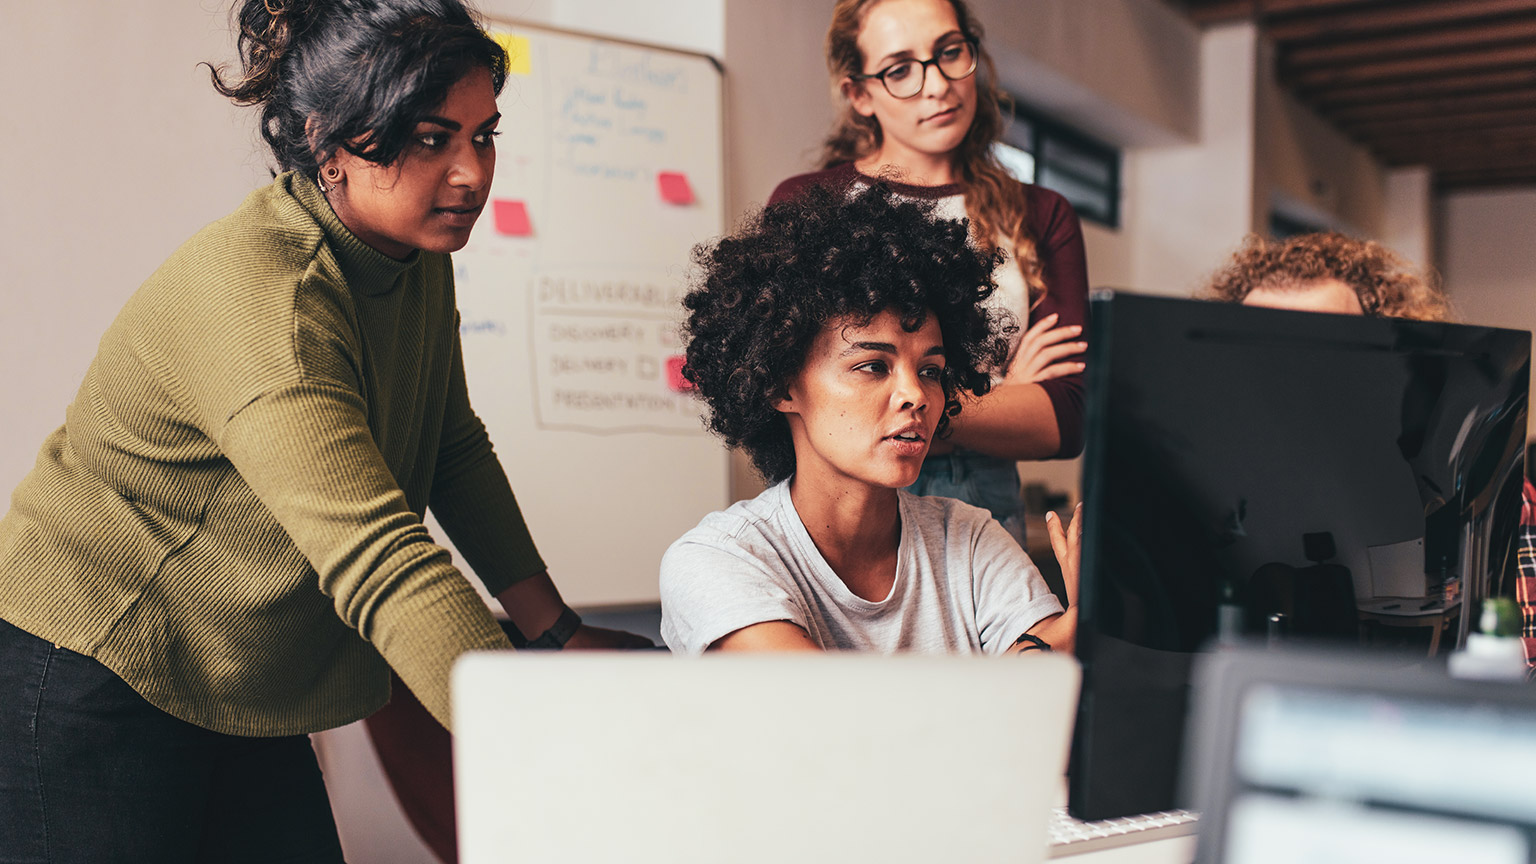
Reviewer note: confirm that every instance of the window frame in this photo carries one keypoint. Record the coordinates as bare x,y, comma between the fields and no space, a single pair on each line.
1042,128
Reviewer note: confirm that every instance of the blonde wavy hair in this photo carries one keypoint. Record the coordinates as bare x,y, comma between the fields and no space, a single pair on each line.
992,197
1386,284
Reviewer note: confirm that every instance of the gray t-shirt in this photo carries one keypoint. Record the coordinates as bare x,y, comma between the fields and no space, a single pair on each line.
962,584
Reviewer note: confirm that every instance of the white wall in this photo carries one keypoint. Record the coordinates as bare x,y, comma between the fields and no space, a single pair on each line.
1310,169
117,150
1408,217
1188,206
1488,259
1125,71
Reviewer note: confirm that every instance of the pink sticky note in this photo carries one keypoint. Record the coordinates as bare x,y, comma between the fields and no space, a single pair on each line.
674,187
675,380
512,218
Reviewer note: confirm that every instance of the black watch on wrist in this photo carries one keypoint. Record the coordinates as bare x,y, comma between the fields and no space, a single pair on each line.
558,633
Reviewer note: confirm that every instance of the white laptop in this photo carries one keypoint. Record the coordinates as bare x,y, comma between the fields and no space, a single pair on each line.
639,757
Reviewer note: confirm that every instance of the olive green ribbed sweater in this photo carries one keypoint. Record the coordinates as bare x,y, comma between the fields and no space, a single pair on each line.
230,517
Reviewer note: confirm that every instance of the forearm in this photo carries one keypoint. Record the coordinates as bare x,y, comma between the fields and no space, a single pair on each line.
1058,631
1014,421
480,514
533,604
473,501
307,454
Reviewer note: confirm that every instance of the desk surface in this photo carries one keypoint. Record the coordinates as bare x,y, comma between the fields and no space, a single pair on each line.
1406,607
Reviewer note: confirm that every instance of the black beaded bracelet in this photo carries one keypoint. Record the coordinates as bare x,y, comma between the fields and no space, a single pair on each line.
558,633
1032,642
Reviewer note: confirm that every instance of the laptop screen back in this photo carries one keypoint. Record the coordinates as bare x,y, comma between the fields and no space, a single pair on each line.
761,758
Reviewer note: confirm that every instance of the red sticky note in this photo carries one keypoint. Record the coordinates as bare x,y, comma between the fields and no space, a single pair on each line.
675,380
512,218
674,187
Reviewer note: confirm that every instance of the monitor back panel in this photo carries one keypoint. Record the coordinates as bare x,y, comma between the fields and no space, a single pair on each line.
1246,463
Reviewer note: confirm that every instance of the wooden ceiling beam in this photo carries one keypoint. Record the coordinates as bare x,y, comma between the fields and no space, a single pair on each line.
1447,181
1400,16
1527,169
1446,164
1513,175
1449,84
1482,121
1516,142
1207,12
1505,142
1435,106
1508,143
1482,36
1438,66
1472,84
1450,157
1459,180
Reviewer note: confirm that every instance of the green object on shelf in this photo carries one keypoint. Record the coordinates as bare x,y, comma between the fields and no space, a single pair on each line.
1501,617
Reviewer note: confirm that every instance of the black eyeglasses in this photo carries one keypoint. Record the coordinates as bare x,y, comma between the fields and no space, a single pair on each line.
904,79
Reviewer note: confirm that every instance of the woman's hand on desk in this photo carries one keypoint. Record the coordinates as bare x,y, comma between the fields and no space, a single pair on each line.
534,605
601,639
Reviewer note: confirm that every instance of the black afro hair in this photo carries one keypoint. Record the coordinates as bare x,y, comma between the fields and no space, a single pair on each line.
834,254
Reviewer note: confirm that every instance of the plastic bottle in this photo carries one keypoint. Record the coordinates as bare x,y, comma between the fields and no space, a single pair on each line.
1496,653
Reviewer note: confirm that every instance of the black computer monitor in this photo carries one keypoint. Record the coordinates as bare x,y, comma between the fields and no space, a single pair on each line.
1294,475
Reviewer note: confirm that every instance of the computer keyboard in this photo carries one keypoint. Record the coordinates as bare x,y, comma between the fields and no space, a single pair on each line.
1071,836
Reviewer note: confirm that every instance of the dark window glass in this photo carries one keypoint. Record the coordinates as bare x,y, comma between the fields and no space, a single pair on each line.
1282,226
1037,149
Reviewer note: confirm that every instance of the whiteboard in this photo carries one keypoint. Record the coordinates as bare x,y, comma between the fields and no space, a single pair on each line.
608,171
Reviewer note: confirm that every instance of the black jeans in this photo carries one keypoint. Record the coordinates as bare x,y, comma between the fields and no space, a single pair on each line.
92,773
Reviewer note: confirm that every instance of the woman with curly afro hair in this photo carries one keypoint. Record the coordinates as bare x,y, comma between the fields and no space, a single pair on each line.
917,101
1328,272
833,338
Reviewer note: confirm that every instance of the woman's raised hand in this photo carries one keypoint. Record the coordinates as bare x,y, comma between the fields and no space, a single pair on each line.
1067,543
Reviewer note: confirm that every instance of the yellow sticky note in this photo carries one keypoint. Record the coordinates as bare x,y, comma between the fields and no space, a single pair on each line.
519,58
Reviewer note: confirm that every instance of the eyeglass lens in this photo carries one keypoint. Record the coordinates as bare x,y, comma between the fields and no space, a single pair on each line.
905,80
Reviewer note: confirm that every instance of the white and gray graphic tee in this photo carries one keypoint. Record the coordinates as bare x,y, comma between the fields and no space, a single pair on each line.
962,584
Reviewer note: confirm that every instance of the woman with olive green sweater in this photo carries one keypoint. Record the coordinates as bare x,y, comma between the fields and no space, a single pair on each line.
222,548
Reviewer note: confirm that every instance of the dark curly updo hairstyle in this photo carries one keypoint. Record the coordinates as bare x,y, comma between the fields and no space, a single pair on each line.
352,74
831,257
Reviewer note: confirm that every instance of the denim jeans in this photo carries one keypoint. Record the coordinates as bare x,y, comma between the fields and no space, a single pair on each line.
91,773
988,482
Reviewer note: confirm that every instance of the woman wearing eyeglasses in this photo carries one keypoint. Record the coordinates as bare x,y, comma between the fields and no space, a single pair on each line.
918,105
